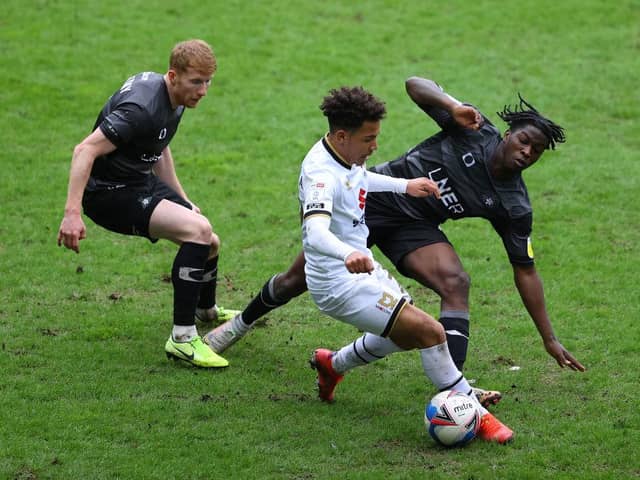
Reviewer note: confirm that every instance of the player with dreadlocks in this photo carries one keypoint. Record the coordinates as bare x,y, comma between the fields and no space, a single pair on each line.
478,172
516,118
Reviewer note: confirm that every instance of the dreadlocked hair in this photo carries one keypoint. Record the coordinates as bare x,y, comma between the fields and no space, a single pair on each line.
526,114
349,107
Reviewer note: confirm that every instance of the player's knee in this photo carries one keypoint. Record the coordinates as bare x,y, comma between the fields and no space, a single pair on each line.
430,333
201,232
417,329
290,284
215,244
456,284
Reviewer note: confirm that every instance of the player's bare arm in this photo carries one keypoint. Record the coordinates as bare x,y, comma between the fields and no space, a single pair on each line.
427,93
531,291
166,171
72,228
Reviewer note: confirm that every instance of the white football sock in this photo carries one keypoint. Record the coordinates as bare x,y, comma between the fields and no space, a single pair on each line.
439,367
184,333
238,326
364,350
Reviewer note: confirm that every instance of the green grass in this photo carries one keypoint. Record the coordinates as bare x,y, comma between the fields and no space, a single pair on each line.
85,389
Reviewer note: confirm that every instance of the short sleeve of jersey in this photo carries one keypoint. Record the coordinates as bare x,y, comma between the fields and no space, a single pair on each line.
516,238
317,189
121,125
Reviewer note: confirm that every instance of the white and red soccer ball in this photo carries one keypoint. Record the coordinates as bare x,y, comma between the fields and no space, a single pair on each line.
452,418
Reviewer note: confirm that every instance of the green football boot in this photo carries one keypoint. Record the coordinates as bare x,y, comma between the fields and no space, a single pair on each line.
215,314
194,352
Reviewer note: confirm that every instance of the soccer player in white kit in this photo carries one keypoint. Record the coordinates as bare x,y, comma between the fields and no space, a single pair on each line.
343,279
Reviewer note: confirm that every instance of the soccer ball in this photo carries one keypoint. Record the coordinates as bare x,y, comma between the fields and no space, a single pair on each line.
452,418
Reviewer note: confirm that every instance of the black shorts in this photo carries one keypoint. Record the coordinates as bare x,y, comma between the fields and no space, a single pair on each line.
127,209
397,240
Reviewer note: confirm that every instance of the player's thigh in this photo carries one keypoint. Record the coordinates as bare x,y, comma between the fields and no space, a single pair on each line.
434,266
179,224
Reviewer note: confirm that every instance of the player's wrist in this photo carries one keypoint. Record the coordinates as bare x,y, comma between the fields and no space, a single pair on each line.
72,211
348,254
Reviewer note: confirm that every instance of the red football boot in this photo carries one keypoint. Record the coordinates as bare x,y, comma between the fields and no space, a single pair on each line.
493,430
328,378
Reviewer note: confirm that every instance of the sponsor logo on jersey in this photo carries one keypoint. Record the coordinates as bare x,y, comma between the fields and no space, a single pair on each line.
150,158
362,198
358,222
448,196
163,134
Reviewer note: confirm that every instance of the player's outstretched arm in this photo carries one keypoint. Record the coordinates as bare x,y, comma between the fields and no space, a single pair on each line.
416,187
531,291
431,98
427,94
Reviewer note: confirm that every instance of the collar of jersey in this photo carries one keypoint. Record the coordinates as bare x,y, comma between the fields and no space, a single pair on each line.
333,152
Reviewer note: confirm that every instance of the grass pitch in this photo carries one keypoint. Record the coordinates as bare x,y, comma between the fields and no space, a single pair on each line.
86,391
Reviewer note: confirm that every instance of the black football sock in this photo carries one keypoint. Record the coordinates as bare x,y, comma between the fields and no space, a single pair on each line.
186,277
262,303
456,326
209,282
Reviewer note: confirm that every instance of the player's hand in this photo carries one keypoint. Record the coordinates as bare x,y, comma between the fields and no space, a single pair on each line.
72,230
358,262
422,187
562,356
194,207
468,117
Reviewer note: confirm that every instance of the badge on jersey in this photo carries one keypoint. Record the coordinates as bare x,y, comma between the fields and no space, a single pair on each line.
317,201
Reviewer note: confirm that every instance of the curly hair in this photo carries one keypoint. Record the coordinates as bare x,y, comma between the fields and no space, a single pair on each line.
525,114
347,108
196,54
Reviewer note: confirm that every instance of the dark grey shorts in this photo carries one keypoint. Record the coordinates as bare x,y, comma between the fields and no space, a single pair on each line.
127,209
396,241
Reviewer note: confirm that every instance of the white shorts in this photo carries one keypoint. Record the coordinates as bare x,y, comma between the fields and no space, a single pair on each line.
369,302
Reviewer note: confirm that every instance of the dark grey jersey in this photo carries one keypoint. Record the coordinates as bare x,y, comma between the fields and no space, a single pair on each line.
140,121
457,159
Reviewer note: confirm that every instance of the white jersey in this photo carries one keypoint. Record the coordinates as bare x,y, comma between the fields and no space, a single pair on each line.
337,192
328,186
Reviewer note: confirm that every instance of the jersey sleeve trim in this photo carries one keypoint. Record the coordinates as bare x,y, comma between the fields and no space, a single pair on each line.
314,213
